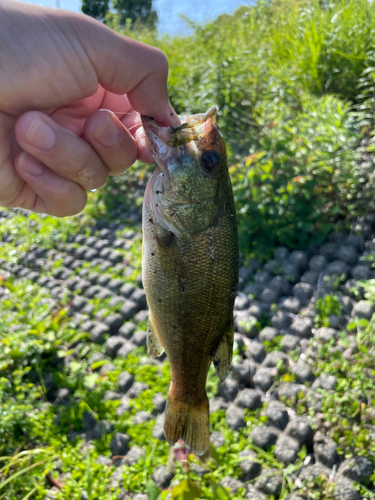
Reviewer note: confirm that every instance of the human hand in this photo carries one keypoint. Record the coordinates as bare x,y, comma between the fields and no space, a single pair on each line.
62,78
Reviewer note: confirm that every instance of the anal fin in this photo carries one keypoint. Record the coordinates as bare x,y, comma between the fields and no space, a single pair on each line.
223,355
154,347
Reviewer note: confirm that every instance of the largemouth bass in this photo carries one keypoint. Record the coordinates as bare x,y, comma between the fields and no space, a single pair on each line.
190,266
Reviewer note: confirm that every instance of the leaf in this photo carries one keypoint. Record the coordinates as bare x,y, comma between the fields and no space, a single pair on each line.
152,490
15,353
29,495
80,336
88,474
98,364
368,70
90,380
61,353
186,490
363,323
215,455
75,366
19,473
220,493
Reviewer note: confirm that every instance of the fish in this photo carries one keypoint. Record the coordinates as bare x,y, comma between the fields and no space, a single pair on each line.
190,264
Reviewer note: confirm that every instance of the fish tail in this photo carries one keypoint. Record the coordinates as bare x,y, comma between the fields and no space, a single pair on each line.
188,422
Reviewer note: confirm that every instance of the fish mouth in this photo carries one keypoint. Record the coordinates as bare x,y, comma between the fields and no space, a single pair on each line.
163,141
196,121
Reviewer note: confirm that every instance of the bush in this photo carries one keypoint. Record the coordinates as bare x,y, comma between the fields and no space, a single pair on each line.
302,177
292,146
325,44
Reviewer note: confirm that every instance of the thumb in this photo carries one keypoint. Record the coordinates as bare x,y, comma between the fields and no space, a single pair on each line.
125,66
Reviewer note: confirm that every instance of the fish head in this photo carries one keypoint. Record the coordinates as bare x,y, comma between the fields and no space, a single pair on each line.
187,188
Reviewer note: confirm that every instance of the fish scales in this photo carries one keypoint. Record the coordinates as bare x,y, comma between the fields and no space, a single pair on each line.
190,274
196,311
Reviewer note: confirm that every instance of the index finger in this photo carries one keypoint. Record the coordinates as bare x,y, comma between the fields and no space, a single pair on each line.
125,66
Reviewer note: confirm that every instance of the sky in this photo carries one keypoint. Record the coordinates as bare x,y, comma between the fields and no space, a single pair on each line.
169,10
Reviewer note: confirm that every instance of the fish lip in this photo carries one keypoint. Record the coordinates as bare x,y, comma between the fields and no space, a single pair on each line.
147,121
199,121
158,147
162,140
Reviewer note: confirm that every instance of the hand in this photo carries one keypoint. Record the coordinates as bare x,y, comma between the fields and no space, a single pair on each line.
63,76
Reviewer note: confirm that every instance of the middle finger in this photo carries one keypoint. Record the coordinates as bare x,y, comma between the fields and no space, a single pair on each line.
111,140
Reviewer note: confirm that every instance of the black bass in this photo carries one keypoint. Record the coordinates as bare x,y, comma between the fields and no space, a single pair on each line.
190,266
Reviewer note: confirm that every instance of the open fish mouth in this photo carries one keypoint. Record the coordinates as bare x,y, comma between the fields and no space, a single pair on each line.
164,141
195,122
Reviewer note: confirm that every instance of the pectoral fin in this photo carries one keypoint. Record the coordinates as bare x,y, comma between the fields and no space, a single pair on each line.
223,355
153,345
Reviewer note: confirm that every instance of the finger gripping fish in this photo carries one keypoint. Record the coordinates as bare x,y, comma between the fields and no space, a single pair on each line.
190,266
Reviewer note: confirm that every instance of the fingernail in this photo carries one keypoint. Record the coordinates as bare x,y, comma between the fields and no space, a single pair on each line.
30,165
108,134
40,135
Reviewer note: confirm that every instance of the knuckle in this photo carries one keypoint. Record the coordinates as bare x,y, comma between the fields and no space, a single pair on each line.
161,61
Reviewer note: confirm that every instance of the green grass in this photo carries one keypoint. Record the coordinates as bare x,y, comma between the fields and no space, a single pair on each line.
34,434
294,83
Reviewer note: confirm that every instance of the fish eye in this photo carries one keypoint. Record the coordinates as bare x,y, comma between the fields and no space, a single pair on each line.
209,160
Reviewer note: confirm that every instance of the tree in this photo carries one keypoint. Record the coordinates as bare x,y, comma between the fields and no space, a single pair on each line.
138,11
95,8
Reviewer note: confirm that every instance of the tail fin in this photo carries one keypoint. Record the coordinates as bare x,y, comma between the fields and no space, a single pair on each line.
190,423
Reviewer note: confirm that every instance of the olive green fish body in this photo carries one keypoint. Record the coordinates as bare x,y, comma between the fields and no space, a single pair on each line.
190,274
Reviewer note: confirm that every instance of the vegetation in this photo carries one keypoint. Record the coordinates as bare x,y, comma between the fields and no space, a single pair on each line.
127,13
135,13
40,441
95,8
294,85
294,82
